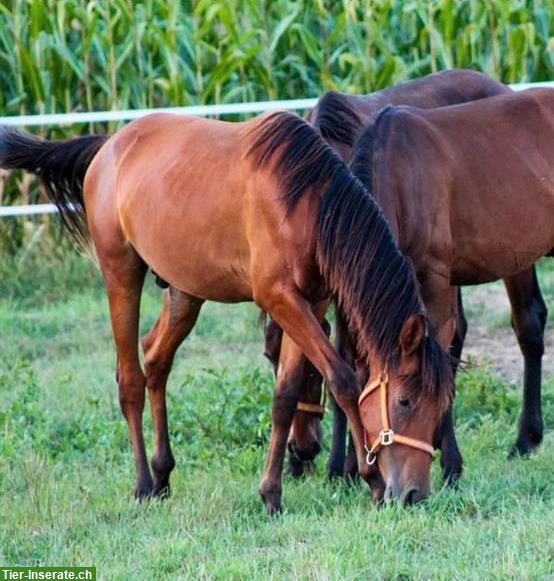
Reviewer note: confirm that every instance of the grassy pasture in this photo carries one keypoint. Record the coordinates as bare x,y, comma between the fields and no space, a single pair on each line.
66,472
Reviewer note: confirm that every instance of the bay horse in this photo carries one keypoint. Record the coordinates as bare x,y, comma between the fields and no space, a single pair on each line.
262,210
339,118
468,191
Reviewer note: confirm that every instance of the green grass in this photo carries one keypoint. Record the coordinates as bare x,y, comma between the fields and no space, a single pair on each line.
66,472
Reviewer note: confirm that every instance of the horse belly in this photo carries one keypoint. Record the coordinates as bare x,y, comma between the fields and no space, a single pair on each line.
502,219
193,238
216,276
489,258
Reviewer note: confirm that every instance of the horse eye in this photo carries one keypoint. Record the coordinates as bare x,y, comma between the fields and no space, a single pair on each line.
404,402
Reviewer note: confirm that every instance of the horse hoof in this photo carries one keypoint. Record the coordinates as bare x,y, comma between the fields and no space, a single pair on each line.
333,473
521,450
272,502
451,474
525,446
272,505
351,473
335,468
273,509
452,477
161,492
143,494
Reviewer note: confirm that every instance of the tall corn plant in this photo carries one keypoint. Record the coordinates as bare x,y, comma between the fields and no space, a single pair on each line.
71,55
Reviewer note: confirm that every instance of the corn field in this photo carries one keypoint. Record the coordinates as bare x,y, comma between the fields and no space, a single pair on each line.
68,55
72,55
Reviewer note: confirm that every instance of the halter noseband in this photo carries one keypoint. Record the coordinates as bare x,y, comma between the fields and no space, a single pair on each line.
386,436
317,409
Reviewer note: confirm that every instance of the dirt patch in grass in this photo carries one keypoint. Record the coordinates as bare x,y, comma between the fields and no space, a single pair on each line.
490,338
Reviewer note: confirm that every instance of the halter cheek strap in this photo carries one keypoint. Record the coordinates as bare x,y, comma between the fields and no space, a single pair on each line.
386,436
317,409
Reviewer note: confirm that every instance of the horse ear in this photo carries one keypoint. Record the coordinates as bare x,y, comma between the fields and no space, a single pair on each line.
412,334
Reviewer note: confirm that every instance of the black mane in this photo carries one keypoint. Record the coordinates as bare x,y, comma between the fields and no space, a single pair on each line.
336,119
304,160
373,284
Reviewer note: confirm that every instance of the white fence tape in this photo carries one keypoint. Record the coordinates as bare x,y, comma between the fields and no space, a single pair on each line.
27,210
200,110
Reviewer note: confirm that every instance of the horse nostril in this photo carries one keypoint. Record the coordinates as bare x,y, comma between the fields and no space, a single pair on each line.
316,448
413,496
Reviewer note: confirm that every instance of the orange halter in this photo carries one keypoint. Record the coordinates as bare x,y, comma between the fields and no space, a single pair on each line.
317,409
386,436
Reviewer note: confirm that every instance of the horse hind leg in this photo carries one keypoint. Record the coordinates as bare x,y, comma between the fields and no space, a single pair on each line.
529,315
177,319
124,274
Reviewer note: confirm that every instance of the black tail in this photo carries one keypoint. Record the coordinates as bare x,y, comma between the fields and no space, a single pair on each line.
60,166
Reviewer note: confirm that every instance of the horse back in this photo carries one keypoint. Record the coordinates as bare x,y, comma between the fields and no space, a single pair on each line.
340,117
473,183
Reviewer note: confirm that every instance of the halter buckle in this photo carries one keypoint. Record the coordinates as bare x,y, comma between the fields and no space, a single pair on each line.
386,437
370,456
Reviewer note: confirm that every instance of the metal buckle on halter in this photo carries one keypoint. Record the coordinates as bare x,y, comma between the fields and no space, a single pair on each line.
370,456
386,437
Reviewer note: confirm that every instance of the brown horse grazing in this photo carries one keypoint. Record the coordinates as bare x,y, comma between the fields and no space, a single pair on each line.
469,193
263,211
339,119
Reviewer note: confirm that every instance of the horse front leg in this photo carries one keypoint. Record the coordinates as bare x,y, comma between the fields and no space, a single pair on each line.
337,455
444,304
304,443
445,437
294,315
288,379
